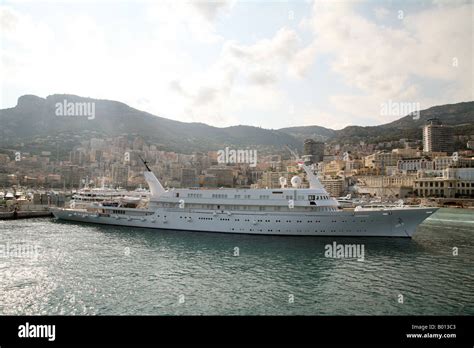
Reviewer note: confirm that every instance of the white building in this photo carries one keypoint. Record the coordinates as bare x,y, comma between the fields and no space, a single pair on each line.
450,182
414,164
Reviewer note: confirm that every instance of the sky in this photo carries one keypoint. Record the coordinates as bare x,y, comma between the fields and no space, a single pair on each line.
271,64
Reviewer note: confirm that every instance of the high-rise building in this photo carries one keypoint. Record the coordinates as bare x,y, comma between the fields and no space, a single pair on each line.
72,175
120,174
313,151
189,178
138,143
225,176
77,156
4,159
272,179
120,142
381,159
335,187
437,137
208,180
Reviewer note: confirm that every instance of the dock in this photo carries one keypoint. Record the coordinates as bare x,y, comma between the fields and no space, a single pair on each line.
26,212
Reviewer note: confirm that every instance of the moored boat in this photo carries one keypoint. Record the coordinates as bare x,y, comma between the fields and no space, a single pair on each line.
291,210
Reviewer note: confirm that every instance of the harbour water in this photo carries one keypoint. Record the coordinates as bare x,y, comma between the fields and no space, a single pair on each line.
49,267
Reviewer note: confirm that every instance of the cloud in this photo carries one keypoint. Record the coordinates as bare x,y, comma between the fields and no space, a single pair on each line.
302,61
243,79
265,60
176,87
188,18
281,47
381,13
262,77
384,62
180,64
8,19
205,96
210,9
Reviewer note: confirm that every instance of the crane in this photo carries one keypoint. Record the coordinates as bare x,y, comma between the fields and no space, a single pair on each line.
293,153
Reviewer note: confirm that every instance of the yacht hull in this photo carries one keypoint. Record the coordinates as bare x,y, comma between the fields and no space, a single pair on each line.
395,222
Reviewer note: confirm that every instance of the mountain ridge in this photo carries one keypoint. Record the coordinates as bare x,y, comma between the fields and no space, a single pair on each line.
34,117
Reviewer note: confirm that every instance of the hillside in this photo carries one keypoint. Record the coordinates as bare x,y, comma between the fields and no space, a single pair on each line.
460,116
312,132
34,119
33,126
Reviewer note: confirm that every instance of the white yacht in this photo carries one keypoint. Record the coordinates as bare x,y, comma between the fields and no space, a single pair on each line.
349,202
9,196
114,197
290,211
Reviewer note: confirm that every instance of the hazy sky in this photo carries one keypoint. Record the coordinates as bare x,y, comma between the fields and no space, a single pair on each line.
270,64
